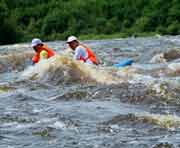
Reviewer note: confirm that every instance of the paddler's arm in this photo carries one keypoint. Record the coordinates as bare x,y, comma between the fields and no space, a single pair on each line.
34,60
80,52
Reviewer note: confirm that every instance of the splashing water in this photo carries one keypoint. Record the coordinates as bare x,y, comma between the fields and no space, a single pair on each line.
63,68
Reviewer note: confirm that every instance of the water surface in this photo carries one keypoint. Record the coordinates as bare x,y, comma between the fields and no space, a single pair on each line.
64,103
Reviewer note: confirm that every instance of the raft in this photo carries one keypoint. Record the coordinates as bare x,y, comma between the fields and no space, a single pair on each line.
124,63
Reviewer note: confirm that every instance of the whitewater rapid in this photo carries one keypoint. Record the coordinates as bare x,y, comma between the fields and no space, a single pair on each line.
61,102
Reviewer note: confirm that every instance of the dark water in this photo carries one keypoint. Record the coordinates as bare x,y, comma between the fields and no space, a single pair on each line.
65,107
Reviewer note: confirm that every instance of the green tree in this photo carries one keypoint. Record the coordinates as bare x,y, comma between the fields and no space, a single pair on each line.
8,30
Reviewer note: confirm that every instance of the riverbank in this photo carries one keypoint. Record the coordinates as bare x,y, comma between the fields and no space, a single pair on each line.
56,20
115,35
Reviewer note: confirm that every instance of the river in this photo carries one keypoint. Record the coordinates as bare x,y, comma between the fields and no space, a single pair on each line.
62,103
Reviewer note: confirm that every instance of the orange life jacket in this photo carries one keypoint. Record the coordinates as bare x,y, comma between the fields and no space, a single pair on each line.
91,56
50,52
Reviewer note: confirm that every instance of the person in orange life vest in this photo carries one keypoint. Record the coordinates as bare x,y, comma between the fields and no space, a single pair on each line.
82,52
42,50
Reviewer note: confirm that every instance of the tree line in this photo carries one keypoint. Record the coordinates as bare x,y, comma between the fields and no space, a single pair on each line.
22,20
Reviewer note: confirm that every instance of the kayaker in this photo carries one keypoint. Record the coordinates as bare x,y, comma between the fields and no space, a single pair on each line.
42,50
82,52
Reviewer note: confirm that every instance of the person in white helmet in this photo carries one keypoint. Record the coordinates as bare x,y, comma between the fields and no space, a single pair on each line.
82,52
42,50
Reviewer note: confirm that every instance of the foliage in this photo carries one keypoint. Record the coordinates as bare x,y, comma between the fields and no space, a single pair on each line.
21,20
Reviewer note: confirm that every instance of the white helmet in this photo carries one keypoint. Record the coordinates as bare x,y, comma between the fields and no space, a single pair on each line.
71,38
35,42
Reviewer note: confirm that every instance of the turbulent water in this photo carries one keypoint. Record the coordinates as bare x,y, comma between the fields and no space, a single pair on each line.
68,104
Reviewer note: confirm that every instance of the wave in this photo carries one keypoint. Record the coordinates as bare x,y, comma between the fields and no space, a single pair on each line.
62,68
163,121
14,61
